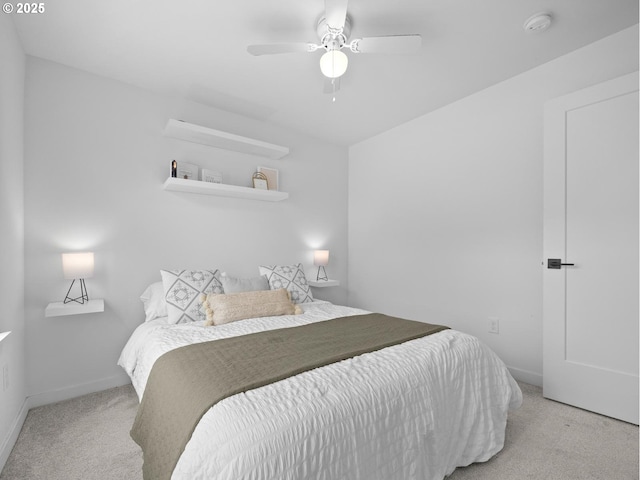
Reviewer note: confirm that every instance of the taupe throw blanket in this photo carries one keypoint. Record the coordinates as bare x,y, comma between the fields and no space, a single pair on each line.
184,383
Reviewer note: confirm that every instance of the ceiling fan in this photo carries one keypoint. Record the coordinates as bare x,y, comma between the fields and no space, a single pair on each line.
334,29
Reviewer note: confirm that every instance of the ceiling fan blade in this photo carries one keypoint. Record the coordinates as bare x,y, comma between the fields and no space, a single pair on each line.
387,44
335,11
329,85
276,48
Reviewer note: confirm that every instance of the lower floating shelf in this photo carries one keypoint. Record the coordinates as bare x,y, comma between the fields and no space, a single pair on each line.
222,190
324,283
59,309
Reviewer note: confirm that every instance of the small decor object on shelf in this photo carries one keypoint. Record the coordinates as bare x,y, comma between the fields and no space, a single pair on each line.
210,176
272,176
174,169
320,260
77,266
260,181
188,171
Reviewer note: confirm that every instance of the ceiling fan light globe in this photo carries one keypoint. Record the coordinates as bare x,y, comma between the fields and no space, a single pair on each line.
333,63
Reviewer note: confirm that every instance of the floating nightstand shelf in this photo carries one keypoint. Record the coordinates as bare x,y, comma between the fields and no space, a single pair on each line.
324,283
228,141
58,309
223,190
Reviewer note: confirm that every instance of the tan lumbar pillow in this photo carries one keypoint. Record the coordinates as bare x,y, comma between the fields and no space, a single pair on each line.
229,307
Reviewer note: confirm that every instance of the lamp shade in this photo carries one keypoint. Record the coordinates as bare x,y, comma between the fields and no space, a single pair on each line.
321,258
333,63
77,265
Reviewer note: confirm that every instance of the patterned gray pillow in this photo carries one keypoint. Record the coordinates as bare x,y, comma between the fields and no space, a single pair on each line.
183,290
290,277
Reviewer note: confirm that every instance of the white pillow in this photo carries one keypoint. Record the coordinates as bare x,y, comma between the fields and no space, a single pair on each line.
183,290
290,277
235,285
154,302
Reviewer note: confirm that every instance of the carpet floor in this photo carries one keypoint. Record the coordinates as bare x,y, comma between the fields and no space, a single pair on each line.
87,438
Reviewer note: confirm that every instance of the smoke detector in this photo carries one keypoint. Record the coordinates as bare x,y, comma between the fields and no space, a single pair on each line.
537,23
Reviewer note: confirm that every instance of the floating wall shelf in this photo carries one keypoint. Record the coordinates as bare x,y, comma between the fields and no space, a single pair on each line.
228,141
222,190
59,309
324,283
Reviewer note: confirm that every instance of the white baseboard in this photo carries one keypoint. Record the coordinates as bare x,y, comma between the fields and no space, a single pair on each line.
73,391
526,376
10,440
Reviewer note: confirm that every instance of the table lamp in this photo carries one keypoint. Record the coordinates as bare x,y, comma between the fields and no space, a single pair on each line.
77,266
321,259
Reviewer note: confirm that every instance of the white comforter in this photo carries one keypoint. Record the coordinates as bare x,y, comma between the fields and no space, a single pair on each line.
412,411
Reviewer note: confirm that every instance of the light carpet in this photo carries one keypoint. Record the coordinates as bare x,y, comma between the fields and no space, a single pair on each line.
87,438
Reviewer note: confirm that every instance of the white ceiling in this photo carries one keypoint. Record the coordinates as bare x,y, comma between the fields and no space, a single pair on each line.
196,49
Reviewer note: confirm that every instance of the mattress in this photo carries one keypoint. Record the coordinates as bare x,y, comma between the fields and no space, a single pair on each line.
416,410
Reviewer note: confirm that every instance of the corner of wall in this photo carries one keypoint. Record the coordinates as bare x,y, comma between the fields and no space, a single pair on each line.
12,390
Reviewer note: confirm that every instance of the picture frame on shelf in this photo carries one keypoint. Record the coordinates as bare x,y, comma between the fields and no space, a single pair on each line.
272,175
210,176
260,181
187,171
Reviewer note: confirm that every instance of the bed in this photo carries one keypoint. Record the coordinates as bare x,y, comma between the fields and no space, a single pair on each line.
416,410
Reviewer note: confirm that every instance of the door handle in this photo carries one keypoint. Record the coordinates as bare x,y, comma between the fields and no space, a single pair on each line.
556,263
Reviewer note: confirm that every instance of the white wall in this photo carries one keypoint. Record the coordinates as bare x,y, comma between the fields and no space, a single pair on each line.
95,160
12,71
445,211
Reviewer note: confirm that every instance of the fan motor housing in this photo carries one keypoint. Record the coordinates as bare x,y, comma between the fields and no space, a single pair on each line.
328,39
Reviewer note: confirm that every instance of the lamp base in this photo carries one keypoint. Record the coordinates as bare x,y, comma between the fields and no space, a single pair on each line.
84,296
323,276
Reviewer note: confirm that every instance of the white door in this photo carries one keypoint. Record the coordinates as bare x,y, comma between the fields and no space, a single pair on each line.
590,308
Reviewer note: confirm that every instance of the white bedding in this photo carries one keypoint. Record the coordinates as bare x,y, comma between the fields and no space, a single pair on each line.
412,411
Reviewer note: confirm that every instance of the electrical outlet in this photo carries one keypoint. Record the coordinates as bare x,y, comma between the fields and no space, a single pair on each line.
494,325
5,377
